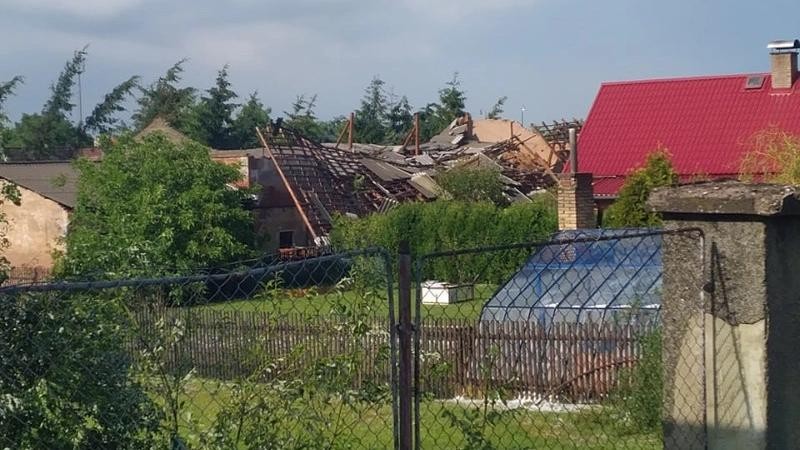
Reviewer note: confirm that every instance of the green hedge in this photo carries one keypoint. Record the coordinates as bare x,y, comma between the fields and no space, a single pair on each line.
449,225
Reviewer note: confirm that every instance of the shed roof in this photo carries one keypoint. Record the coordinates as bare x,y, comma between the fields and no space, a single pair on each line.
55,180
705,122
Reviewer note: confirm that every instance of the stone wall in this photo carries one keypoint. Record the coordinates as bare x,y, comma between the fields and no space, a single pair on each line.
35,230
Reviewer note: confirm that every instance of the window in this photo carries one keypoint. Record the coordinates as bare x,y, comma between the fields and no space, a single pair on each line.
286,239
754,82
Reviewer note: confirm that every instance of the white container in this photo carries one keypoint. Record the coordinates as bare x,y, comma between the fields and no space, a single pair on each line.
440,293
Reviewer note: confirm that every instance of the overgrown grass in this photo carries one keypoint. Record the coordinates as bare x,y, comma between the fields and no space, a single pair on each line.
371,428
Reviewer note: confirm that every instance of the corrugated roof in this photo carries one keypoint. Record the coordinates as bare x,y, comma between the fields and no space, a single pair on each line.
705,122
384,170
56,180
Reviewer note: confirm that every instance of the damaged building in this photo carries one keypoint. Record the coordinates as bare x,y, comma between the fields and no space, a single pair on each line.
306,183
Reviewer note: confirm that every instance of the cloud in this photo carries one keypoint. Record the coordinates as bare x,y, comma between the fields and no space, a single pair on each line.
79,8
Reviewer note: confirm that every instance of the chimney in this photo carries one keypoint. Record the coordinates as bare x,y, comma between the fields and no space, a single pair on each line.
783,62
575,194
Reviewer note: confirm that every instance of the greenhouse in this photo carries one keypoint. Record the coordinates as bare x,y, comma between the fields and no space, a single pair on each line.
580,276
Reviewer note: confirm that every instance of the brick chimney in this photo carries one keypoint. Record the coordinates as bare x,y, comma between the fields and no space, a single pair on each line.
575,194
575,201
783,62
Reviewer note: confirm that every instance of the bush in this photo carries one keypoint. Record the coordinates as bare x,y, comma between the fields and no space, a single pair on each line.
66,381
630,208
447,225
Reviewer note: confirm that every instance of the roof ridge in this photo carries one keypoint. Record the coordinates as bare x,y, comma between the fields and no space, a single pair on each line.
685,78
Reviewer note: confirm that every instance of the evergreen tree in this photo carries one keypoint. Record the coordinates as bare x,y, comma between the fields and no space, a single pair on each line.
213,116
400,119
630,208
436,116
371,117
164,98
253,114
102,118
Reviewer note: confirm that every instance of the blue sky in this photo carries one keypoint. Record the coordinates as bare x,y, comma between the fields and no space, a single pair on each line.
548,55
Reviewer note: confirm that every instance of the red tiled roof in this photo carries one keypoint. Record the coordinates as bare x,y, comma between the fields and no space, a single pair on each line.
705,122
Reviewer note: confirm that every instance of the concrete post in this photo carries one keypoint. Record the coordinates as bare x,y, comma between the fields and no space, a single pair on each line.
731,316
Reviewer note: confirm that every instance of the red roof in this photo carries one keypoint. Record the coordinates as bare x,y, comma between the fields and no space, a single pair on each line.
705,122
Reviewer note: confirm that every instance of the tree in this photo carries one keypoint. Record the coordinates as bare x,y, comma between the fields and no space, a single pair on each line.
153,208
164,98
497,108
213,116
436,116
473,185
400,119
6,90
303,119
252,114
102,119
774,157
52,134
371,117
630,208
8,194
451,100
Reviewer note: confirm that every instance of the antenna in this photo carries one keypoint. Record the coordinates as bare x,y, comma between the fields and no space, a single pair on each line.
80,93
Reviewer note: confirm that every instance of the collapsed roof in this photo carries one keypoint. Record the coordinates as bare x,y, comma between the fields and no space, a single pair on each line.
323,179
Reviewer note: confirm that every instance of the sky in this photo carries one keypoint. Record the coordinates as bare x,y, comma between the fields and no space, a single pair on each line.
548,56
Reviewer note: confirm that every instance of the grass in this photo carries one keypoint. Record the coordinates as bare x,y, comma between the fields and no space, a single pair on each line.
371,427
308,302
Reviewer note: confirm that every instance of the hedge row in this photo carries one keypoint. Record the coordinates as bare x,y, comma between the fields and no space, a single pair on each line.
450,225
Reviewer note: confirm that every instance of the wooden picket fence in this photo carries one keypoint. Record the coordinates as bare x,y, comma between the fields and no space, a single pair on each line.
567,361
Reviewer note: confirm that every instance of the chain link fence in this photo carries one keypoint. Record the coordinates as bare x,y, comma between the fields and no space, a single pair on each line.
554,345
550,345
287,355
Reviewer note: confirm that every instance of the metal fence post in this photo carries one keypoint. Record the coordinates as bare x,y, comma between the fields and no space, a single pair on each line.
405,330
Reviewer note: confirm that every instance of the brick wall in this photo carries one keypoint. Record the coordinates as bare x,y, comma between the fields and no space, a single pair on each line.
576,202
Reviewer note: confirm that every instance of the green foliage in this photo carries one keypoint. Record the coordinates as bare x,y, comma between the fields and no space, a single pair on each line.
497,108
152,207
470,184
447,225
51,134
7,90
436,116
66,380
164,98
8,194
371,117
213,116
630,208
59,105
102,120
303,119
638,400
253,114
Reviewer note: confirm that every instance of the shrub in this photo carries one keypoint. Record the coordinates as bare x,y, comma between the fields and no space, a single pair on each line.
630,208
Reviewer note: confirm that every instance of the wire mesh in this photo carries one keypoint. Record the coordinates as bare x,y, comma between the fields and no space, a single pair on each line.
557,345
287,355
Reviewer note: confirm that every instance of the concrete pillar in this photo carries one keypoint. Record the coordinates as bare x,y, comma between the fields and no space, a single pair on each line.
575,201
731,315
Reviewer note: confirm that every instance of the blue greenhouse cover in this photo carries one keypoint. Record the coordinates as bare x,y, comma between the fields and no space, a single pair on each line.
596,275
